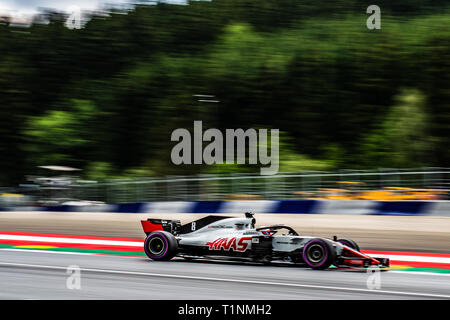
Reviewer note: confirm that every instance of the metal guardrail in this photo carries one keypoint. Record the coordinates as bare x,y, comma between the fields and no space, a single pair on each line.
286,185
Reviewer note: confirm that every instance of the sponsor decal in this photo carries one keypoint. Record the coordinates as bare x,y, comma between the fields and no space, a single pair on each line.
227,244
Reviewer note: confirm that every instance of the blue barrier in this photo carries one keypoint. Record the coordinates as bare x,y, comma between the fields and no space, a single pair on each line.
63,208
296,206
206,206
397,208
132,207
401,208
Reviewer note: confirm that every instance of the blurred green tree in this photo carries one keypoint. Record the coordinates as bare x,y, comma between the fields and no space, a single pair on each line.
402,139
61,136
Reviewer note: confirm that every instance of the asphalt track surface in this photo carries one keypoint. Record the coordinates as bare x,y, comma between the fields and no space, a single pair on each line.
43,275
36,274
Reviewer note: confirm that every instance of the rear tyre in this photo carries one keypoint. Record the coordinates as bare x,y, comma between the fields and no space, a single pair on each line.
160,246
318,254
349,243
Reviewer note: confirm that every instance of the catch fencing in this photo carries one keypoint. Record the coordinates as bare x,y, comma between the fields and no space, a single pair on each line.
283,186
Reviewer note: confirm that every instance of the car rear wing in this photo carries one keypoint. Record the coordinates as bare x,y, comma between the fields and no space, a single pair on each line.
151,225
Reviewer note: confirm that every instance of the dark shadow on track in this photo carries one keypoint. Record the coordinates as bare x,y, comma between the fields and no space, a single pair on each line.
280,264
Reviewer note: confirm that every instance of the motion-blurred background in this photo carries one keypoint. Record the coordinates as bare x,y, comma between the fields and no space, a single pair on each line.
86,114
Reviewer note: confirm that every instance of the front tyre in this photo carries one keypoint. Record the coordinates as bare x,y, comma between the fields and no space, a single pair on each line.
318,254
160,246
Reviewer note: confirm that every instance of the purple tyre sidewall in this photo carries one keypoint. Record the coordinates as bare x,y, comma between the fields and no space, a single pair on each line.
325,249
166,243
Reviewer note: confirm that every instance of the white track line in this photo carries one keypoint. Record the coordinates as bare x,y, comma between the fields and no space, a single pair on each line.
422,273
240,281
48,251
397,257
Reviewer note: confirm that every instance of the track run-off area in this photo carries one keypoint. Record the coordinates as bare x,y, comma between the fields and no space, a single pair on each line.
35,266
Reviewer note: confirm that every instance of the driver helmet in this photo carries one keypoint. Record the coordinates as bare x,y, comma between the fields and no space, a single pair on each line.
266,232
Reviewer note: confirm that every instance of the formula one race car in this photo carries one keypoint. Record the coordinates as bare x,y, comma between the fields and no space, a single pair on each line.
237,238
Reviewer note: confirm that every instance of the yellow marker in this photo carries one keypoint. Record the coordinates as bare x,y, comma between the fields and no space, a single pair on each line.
34,247
11,195
396,266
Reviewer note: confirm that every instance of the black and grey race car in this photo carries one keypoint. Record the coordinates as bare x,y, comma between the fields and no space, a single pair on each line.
237,238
